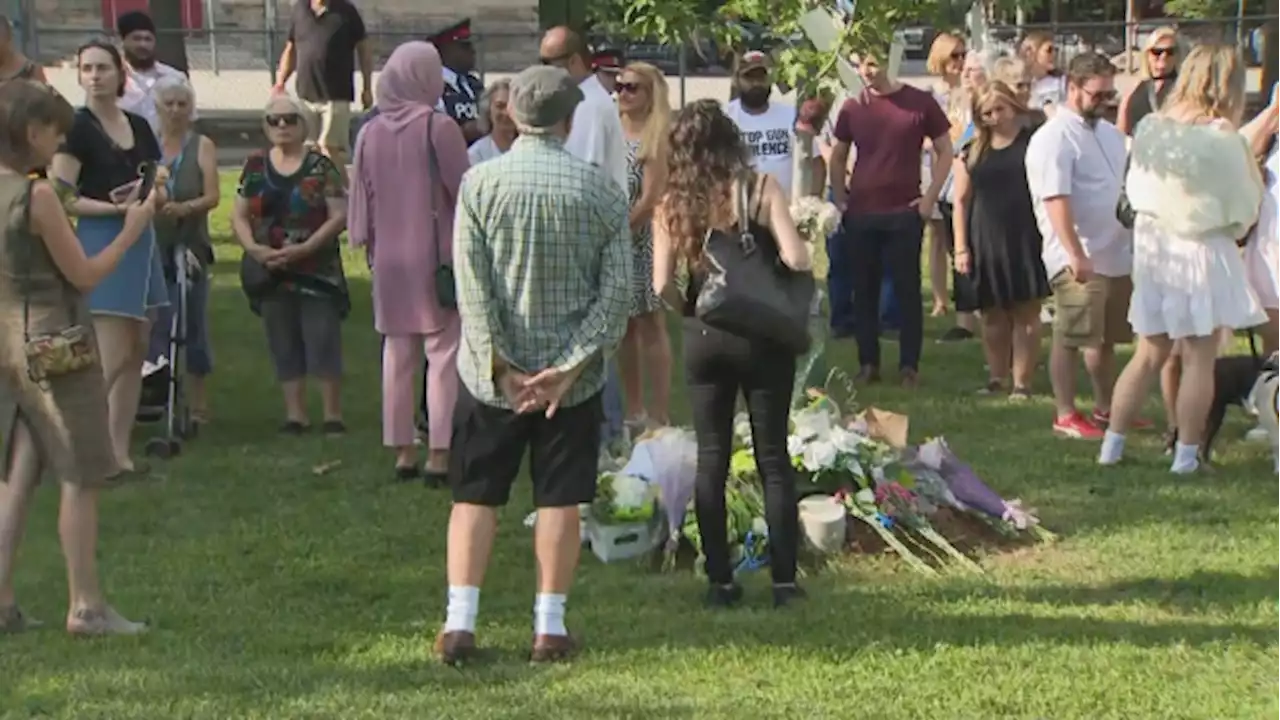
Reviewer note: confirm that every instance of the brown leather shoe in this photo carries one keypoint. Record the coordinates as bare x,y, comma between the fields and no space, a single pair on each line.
909,378
867,375
455,647
553,648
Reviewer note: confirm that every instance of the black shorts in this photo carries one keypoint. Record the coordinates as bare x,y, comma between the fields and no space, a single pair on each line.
488,445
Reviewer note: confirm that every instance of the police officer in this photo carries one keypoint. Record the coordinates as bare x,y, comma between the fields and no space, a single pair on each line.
607,65
462,89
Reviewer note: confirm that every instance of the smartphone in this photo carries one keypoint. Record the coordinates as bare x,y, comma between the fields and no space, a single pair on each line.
146,180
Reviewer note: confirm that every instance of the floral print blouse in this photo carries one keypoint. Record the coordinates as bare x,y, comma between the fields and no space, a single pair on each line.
289,209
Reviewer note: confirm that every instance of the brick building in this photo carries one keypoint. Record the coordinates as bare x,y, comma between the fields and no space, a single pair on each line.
248,34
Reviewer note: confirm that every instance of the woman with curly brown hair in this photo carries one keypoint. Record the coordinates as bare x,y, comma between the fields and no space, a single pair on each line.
708,166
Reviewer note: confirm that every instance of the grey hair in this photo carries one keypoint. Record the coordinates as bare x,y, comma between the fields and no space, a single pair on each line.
170,84
486,104
295,105
1006,69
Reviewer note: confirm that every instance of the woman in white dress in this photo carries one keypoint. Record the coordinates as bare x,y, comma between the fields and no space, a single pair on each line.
1196,189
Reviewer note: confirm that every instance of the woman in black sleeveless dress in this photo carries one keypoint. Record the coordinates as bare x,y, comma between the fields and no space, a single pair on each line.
997,241
1160,66
708,167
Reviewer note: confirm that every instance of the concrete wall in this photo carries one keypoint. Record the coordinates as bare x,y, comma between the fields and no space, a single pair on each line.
245,35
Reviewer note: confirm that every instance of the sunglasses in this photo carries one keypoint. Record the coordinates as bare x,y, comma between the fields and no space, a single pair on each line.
557,60
629,88
959,55
283,121
1163,52
1102,95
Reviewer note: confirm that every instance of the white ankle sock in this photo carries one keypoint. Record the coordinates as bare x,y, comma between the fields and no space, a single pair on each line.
1112,448
1185,458
464,603
548,614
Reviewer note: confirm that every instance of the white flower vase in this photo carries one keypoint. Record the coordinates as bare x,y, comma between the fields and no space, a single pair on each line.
824,522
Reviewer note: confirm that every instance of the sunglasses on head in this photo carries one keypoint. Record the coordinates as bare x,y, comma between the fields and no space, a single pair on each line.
283,120
1163,51
629,88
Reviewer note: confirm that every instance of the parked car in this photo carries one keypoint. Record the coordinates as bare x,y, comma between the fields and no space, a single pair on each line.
915,41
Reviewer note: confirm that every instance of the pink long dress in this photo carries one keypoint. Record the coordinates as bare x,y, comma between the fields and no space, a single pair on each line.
394,187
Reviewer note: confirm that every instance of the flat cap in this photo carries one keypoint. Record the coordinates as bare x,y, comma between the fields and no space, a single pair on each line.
542,96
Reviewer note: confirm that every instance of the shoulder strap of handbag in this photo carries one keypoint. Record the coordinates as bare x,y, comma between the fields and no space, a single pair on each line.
433,176
742,206
28,260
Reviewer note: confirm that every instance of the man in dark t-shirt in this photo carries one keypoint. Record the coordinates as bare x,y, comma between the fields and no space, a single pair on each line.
324,38
884,209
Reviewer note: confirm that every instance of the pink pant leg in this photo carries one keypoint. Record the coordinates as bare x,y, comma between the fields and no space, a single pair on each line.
401,359
442,382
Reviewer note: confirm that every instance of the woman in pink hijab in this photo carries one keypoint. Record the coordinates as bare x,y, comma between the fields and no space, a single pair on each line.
409,162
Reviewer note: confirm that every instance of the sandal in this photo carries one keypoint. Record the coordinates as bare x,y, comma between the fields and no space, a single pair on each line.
13,620
334,427
89,622
435,479
294,427
993,387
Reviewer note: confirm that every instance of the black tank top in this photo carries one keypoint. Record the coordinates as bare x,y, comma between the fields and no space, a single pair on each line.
1145,100
764,238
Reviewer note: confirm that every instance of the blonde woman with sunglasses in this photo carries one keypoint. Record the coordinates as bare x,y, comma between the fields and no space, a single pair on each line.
1159,70
646,349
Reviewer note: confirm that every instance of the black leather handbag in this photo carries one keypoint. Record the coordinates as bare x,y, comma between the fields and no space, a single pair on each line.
747,290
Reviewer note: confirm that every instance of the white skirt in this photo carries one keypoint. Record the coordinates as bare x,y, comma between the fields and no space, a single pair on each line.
1188,287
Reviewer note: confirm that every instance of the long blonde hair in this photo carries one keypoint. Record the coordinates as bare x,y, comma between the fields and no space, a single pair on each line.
987,96
1211,83
653,136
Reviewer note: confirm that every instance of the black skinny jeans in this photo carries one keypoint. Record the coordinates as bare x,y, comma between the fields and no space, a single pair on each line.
717,365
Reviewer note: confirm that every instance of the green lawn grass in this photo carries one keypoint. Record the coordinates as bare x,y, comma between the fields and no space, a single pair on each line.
277,592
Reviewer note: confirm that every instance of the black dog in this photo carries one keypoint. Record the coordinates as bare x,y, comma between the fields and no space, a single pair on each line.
1233,379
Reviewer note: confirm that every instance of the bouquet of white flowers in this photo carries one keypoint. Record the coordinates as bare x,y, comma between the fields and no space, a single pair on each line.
622,499
816,219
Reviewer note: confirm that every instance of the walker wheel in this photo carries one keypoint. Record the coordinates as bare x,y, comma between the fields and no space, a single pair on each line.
163,448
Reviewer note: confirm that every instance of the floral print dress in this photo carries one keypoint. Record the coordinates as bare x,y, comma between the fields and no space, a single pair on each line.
287,210
643,299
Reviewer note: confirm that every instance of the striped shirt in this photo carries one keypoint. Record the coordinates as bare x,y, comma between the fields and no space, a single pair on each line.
542,253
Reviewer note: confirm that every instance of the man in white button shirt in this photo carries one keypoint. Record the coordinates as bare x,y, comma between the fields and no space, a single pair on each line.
143,72
1075,169
595,135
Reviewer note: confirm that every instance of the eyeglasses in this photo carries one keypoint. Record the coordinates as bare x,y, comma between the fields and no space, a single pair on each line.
556,60
1024,85
283,120
629,88
1102,95
1163,51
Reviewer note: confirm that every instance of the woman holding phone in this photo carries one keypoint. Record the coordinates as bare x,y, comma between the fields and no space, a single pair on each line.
103,158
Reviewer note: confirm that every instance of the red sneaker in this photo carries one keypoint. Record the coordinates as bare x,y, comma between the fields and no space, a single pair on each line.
1103,419
1076,426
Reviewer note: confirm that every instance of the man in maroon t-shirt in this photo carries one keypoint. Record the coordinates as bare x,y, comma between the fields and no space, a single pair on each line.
884,212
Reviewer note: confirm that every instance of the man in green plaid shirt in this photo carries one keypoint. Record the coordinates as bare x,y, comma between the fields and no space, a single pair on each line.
542,254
